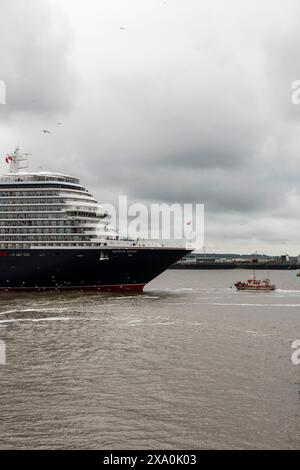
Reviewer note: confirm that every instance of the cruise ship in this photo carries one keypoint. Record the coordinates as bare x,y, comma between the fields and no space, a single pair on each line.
55,236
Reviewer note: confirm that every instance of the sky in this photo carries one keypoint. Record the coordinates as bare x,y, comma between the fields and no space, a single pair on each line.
175,101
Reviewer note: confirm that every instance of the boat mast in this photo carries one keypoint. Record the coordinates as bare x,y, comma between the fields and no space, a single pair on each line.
18,161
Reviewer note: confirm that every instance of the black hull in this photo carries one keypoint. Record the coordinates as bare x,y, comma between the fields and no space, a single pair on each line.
84,269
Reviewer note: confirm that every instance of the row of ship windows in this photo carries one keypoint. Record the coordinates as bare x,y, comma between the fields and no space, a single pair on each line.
46,215
26,223
24,215
39,209
45,200
34,238
28,193
44,193
65,179
28,245
15,200
43,253
87,214
35,206
10,208
47,230
9,187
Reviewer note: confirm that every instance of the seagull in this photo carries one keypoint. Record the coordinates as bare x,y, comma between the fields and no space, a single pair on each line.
45,131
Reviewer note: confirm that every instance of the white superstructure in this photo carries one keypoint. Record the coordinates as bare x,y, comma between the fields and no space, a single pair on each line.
47,209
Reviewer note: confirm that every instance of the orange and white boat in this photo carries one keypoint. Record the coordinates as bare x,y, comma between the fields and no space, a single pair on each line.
255,284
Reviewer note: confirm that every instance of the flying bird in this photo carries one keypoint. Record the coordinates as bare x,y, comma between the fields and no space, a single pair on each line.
45,131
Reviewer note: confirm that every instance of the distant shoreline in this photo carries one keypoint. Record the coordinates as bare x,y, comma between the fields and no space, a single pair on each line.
251,266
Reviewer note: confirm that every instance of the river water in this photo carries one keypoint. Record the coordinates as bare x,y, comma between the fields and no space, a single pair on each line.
189,364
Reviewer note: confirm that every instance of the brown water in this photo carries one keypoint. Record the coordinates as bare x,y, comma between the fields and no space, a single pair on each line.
190,363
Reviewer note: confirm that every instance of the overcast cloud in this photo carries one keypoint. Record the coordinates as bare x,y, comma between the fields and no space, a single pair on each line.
166,101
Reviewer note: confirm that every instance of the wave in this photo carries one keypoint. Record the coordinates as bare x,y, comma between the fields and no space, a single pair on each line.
256,333
39,310
33,320
288,290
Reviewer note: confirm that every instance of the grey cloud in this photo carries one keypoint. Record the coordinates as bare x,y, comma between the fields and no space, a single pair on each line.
187,104
34,58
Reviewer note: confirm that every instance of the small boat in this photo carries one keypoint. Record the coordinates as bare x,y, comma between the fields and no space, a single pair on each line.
298,274
255,284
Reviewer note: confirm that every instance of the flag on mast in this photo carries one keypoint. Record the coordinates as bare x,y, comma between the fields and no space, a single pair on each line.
8,158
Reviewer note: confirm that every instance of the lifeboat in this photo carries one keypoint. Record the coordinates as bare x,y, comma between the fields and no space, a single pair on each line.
255,284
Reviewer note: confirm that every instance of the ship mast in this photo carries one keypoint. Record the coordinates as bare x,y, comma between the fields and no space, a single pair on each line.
18,161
